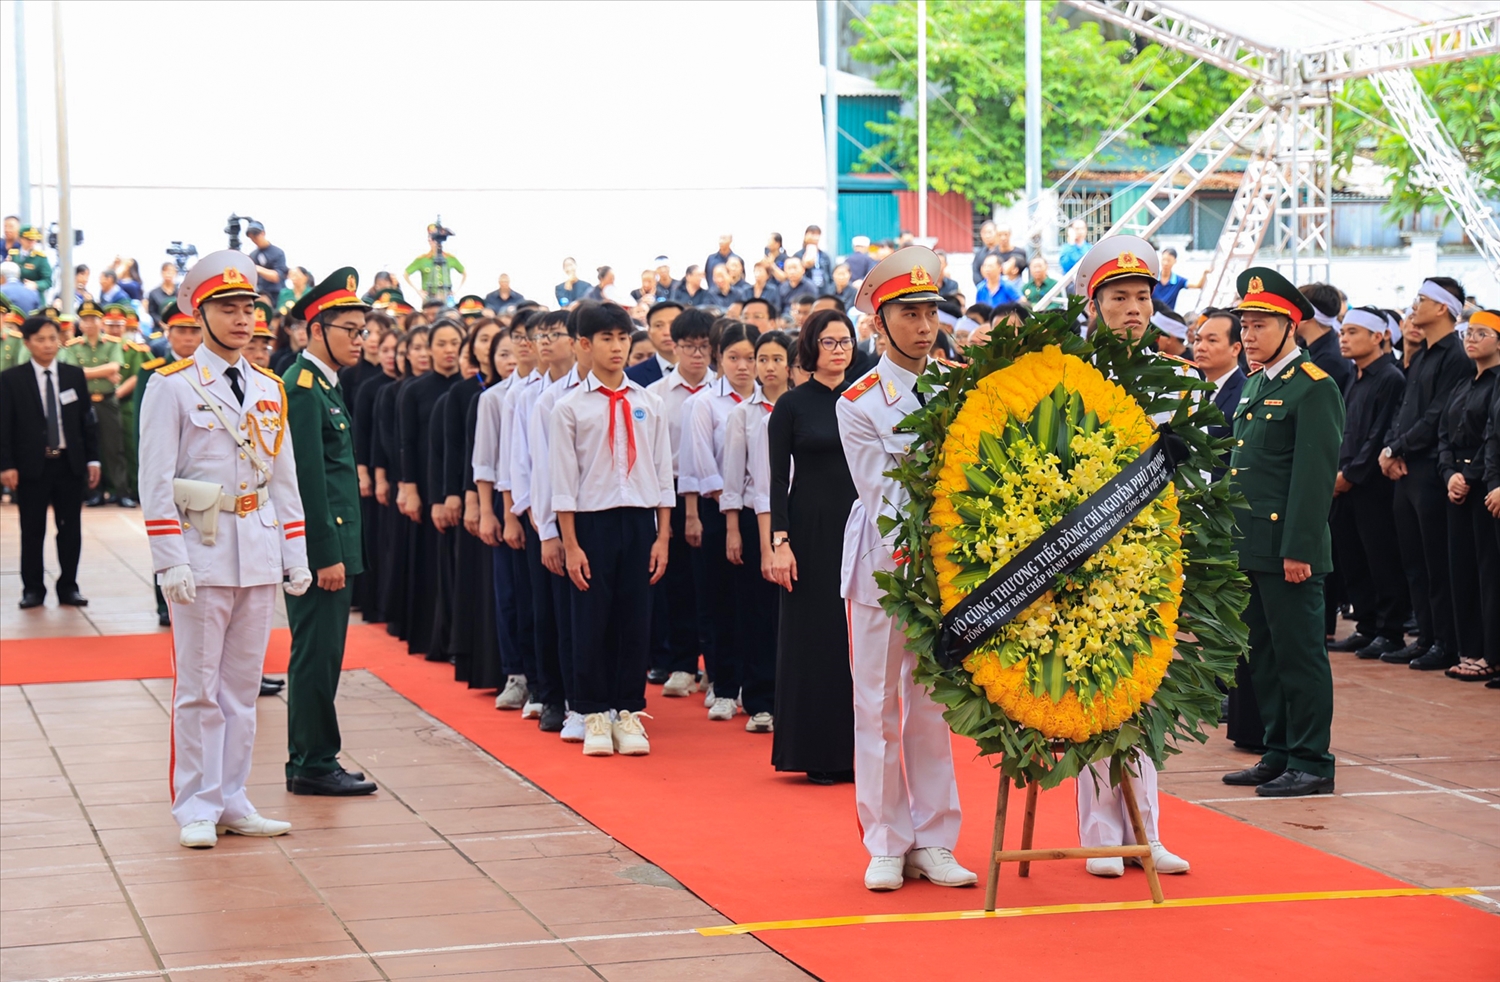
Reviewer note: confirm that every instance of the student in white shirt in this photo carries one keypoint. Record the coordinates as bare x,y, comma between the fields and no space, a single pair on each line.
701,464
678,632
746,504
556,671
609,458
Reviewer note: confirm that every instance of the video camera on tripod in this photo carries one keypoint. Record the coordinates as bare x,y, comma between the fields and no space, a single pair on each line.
181,254
439,234
232,229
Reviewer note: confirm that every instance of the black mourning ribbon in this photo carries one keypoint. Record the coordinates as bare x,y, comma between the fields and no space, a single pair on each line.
1060,550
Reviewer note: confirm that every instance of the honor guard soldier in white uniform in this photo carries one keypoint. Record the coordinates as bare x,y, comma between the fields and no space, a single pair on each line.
1118,275
224,518
904,787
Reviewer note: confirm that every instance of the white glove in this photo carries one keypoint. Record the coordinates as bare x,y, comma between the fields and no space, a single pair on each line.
177,585
301,579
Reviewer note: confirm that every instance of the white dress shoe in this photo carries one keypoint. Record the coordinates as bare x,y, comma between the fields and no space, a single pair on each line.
1113,866
937,864
1165,861
198,835
597,738
630,734
721,709
884,873
255,824
679,684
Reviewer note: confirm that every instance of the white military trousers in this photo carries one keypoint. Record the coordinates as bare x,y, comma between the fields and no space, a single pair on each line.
218,648
896,723
1103,819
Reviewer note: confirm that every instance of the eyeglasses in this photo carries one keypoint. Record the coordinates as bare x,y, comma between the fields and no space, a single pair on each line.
355,333
695,349
836,344
1481,334
551,335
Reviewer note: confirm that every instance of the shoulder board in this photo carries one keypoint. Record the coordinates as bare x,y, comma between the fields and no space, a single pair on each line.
112,339
136,346
176,366
153,364
12,332
862,386
78,340
1314,372
1177,358
267,372
304,379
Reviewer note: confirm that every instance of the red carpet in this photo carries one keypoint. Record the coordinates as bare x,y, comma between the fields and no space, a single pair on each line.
758,846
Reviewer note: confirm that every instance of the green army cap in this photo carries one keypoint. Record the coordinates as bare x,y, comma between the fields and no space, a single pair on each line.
341,289
31,232
1262,288
89,309
471,306
263,315
393,301
173,316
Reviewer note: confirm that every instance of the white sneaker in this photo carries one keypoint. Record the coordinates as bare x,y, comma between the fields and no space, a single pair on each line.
630,734
721,709
761,723
884,873
531,710
255,824
597,739
1165,861
937,865
1106,867
679,684
708,695
513,696
198,835
573,730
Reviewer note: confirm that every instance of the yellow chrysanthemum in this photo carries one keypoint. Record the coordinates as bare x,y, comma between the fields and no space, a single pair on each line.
1081,627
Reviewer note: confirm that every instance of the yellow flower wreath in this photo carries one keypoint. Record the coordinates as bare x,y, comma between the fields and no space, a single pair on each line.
1014,393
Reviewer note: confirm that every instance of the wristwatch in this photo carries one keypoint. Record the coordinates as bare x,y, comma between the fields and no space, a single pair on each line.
779,539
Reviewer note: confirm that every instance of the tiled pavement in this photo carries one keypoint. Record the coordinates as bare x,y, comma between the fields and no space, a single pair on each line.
459,852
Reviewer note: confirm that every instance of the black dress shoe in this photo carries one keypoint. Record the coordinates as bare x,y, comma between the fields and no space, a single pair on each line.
824,778
126,501
164,619
72,598
1295,784
1253,776
658,676
270,687
1436,659
1379,646
357,775
340,783
33,598
552,719
1353,642
1403,655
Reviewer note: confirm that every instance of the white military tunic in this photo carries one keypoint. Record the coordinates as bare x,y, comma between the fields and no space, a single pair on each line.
219,640
915,806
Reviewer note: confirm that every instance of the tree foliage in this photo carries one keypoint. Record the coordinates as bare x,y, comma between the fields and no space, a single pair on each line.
1466,95
976,61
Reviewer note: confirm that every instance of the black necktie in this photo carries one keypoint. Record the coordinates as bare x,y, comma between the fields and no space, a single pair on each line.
234,383
54,432
921,396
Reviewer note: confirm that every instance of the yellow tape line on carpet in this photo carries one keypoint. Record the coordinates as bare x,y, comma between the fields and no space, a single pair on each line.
971,915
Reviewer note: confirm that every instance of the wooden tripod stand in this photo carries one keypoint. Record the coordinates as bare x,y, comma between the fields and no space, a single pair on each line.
1026,855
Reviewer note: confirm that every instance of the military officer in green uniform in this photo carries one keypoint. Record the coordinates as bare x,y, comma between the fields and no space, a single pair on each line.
322,441
13,350
117,322
1287,431
111,379
36,268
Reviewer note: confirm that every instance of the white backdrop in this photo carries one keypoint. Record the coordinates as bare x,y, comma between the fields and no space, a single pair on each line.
611,132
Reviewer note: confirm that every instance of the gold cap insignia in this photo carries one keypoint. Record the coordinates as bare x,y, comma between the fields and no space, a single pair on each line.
232,275
352,284
260,315
1127,260
919,276
1256,285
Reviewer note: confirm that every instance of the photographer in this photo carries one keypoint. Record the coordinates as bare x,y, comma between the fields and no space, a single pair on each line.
435,266
270,263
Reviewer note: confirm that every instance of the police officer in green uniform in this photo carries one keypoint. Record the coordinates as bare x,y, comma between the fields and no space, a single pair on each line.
102,358
1287,431
320,423
36,268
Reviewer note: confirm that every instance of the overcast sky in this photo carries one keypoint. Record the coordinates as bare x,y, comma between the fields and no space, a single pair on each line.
608,131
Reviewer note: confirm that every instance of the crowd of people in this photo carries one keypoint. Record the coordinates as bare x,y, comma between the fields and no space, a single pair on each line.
649,487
